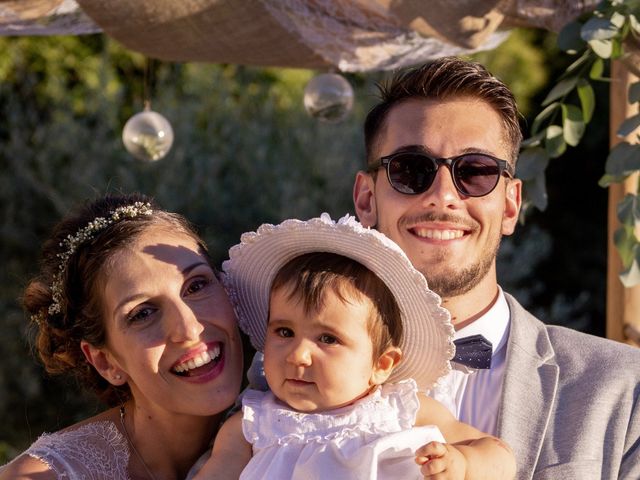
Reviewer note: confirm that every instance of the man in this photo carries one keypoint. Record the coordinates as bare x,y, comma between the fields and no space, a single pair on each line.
441,150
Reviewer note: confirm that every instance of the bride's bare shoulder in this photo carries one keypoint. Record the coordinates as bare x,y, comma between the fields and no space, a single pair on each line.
26,467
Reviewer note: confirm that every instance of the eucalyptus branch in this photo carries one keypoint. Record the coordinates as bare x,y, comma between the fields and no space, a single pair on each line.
595,39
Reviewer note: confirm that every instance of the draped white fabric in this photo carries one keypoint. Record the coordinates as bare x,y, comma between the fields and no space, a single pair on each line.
350,35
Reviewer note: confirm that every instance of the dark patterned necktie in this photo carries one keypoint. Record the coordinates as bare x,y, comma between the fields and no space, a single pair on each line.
473,352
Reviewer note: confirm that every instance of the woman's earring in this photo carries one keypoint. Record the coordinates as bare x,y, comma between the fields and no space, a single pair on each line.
118,377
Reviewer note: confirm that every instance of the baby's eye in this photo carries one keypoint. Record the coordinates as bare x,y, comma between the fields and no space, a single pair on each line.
328,339
140,314
284,332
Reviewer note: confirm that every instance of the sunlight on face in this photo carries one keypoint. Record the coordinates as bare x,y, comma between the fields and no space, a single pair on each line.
170,326
319,360
452,239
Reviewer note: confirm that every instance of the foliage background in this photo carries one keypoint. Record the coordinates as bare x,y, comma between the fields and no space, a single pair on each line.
245,153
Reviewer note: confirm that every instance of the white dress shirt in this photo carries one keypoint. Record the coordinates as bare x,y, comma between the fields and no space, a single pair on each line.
472,395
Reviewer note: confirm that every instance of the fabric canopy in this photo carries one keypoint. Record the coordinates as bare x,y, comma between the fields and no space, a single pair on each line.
348,35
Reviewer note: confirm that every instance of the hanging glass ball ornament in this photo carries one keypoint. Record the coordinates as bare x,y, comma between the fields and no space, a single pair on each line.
148,136
328,97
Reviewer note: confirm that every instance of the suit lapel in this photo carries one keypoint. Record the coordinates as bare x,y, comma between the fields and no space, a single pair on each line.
529,388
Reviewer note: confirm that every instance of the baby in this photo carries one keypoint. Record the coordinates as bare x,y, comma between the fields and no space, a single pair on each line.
352,337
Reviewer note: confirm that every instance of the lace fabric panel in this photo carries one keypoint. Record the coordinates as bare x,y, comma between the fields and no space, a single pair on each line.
354,38
95,451
44,17
548,14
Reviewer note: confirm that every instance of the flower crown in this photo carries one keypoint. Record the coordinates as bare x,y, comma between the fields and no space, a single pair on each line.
72,242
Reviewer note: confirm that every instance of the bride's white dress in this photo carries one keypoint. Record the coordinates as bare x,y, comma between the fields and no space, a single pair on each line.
94,451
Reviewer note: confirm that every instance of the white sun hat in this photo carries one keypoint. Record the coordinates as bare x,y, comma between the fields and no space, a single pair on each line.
427,343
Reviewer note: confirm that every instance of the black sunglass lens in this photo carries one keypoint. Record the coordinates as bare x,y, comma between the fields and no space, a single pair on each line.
476,175
411,173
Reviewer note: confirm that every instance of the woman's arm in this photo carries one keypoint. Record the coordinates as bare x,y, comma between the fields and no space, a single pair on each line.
231,453
26,467
470,453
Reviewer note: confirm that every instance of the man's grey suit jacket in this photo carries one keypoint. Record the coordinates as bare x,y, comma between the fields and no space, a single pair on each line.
570,404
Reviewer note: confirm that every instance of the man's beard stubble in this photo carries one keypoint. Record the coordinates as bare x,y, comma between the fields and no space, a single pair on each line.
453,283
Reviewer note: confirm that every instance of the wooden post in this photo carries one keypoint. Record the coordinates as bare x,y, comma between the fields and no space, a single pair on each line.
623,304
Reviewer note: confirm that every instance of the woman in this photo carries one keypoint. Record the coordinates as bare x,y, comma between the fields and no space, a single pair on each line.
128,302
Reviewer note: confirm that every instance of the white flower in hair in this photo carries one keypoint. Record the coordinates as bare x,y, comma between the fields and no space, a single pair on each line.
72,242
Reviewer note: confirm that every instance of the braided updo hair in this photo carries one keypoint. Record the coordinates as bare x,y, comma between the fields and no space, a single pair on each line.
77,312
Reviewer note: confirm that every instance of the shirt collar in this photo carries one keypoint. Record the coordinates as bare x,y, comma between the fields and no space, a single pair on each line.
493,325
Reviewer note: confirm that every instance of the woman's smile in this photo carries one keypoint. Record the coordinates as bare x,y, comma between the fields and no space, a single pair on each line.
202,365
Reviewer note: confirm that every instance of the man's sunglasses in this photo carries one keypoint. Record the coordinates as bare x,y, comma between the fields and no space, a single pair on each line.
473,174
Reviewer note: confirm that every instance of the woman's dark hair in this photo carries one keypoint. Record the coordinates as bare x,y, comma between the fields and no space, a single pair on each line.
77,312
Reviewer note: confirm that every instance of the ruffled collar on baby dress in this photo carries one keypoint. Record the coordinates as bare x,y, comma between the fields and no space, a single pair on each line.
389,408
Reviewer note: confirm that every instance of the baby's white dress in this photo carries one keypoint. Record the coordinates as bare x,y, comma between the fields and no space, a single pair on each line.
96,451
373,438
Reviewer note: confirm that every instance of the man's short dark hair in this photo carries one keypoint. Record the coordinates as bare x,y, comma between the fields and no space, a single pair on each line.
443,79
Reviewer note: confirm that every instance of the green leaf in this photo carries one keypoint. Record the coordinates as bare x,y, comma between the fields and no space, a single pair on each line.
629,126
533,141
625,241
542,116
532,162
631,161
628,211
587,99
572,124
535,191
634,92
584,58
617,158
616,48
631,276
562,88
617,19
606,180
569,39
625,211
597,69
555,143
623,160
602,48
624,31
598,29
